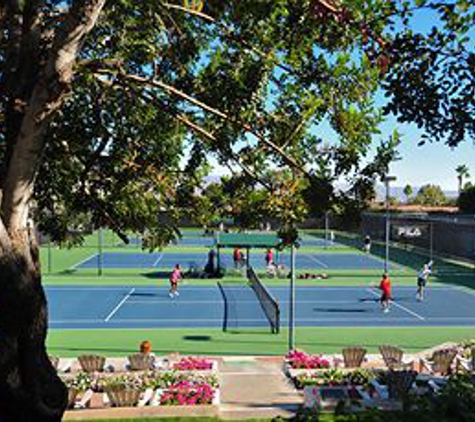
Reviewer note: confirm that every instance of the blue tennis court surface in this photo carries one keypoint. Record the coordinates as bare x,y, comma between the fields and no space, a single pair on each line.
340,261
202,306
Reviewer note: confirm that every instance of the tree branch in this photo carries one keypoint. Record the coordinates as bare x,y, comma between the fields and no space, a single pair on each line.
210,136
188,98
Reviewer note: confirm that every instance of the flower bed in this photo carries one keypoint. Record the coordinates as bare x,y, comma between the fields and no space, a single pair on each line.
194,364
300,360
150,388
186,393
337,377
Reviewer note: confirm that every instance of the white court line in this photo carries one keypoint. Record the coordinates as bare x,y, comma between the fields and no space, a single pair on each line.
119,305
158,260
84,260
397,305
315,260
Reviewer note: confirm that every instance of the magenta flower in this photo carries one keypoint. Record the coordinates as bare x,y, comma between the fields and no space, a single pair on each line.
301,360
187,393
193,364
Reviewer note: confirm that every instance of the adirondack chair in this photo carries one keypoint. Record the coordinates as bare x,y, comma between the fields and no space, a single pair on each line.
140,361
393,357
399,383
440,362
466,365
353,356
92,363
54,361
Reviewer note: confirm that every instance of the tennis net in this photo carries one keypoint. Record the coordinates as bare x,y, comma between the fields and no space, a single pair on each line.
269,304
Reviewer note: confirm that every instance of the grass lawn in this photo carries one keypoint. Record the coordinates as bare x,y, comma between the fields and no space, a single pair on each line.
71,343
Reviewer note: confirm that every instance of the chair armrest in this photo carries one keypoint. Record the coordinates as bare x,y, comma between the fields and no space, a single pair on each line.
86,398
148,395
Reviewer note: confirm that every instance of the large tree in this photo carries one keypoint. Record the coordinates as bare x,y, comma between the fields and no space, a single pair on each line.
430,195
110,110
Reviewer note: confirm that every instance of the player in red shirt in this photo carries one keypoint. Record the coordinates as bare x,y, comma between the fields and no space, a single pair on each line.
238,258
385,287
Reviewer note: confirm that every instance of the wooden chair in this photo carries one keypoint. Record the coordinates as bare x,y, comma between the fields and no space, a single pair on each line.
399,383
393,357
466,365
54,361
140,362
440,362
92,363
353,356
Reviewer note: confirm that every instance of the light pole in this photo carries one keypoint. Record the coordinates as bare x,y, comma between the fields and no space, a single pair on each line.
386,180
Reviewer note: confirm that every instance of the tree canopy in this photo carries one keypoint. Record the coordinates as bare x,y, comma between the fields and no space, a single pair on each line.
111,110
431,195
159,88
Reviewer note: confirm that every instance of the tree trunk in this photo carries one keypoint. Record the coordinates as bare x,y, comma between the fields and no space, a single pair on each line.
30,388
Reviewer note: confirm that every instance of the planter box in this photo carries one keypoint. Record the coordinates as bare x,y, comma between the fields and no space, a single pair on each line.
328,398
122,397
210,411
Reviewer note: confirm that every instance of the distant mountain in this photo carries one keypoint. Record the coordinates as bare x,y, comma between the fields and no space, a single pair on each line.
398,192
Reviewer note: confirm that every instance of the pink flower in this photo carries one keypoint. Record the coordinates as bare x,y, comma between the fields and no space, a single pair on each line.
188,393
193,364
298,360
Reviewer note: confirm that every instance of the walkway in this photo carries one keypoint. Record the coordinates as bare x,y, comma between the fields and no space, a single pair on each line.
255,388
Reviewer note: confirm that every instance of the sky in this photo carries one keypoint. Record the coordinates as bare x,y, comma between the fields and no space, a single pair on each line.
432,163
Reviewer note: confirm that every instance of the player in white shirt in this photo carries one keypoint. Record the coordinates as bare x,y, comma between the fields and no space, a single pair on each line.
422,277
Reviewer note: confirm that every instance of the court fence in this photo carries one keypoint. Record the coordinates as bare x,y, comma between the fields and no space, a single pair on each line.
431,236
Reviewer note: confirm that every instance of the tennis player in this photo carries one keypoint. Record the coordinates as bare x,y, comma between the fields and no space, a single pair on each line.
175,277
385,287
367,244
238,257
422,278
269,257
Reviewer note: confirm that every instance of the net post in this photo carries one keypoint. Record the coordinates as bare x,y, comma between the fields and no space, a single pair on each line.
50,257
326,229
226,306
292,300
99,252
431,240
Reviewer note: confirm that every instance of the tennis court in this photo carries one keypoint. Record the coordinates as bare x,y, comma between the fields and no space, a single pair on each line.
81,307
340,261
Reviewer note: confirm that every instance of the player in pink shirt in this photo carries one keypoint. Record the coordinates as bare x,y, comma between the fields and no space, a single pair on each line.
175,277
269,257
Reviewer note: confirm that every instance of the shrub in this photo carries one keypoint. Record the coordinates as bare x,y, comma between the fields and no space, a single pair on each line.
82,381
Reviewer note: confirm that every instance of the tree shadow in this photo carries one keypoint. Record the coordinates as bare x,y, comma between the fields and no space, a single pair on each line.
340,310
161,275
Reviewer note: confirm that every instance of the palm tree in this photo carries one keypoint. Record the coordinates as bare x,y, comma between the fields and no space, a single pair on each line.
462,172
